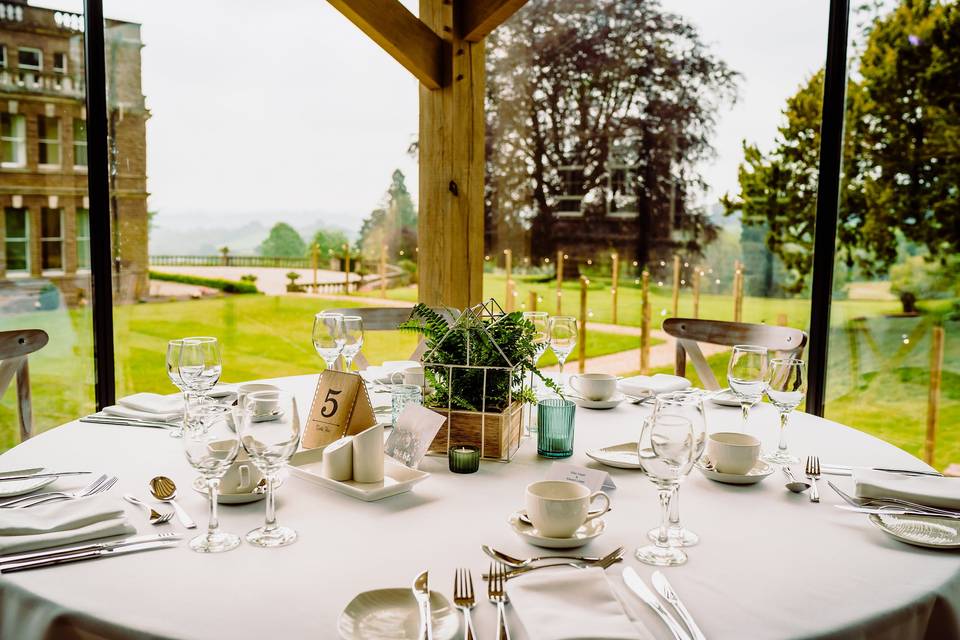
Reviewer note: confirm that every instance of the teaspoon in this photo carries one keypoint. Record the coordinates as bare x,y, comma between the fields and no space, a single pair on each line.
794,485
162,488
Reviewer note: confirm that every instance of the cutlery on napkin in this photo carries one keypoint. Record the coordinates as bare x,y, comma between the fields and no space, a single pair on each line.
99,552
926,490
62,523
639,587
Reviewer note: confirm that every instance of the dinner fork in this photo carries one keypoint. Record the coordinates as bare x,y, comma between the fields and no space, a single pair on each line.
42,497
813,472
879,502
464,599
497,595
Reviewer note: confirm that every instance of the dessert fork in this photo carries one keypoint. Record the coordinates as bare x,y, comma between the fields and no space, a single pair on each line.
497,595
813,472
155,516
464,599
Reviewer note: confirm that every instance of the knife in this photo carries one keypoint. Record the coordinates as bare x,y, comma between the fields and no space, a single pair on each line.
20,472
663,587
421,591
896,512
87,555
33,476
129,422
79,548
846,470
640,588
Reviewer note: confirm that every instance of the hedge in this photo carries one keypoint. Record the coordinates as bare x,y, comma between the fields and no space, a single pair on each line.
227,286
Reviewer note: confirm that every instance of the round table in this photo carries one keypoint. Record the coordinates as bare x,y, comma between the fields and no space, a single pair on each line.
770,563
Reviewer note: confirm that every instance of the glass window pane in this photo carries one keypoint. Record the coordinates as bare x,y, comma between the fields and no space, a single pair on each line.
16,223
52,254
50,223
16,256
29,58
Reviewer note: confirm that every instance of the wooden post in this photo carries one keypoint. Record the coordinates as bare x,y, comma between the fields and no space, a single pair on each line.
781,319
508,267
559,282
615,285
853,328
346,269
676,286
696,291
740,295
314,261
582,339
736,289
645,323
532,305
933,399
383,270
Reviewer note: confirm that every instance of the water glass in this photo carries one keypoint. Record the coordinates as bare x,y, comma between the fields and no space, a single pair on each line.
666,458
555,427
352,333
270,431
747,375
541,342
328,337
563,337
199,365
211,446
400,396
786,389
173,372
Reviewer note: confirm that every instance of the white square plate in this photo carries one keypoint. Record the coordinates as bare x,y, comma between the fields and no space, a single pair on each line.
397,478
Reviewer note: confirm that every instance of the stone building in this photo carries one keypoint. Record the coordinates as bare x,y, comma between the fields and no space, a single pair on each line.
44,204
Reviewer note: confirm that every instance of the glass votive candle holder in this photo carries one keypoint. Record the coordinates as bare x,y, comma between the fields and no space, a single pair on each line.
464,458
400,396
555,428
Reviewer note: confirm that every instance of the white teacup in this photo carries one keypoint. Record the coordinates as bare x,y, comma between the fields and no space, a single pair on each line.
241,477
410,375
557,508
594,386
733,452
242,392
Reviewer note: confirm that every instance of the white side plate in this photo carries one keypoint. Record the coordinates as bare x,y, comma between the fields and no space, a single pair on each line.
922,531
393,614
621,456
725,398
397,478
19,487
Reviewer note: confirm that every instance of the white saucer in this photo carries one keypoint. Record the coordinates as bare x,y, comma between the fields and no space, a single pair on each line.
587,532
393,614
921,531
621,456
725,398
233,498
20,487
760,471
599,404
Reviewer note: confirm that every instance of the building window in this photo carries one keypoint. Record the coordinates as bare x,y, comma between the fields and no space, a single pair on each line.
574,188
28,58
17,240
79,142
83,239
3,57
51,239
60,62
13,140
48,136
622,190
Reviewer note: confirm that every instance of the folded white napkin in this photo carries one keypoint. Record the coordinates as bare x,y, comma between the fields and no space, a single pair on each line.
569,604
653,385
121,411
153,403
58,523
929,490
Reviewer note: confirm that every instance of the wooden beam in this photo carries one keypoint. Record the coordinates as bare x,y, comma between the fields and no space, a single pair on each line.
398,32
479,17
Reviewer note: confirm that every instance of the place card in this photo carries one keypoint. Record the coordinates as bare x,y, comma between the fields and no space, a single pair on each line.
593,479
415,429
341,407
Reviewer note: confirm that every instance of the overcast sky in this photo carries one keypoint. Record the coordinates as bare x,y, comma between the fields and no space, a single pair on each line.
285,110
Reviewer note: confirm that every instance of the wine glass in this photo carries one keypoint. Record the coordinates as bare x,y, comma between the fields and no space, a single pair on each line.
786,388
541,328
270,429
666,460
689,406
747,375
563,337
200,368
173,372
328,337
211,446
352,332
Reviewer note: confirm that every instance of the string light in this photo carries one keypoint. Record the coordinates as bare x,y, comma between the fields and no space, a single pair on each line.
487,258
683,282
401,251
566,257
662,263
905,339
590,313
663,312
660,284
546,260
685,265
589,261
539,298
637,281
717,280
635,263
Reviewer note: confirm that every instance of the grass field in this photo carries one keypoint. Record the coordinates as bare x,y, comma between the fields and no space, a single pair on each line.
262,337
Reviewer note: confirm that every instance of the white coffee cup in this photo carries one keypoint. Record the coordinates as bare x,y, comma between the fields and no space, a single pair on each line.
410,375
242,392
557,508
594,386
241,477
732,452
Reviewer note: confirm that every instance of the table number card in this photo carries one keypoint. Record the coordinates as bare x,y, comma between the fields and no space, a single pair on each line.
593,479
341,407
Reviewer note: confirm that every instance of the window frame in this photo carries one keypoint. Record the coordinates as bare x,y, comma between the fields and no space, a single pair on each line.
30,67
3,56
20,143
25,240
45,240
77,144
82,238
57,69
42,142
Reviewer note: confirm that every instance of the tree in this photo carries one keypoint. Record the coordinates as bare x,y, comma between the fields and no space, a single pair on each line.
575,83
329,243
394,223
283,242
901,151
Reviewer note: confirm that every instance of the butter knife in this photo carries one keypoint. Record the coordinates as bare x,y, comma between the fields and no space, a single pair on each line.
846,470
663,587
896,512
421,591
131,422
639,587
80,548
34,476
86,555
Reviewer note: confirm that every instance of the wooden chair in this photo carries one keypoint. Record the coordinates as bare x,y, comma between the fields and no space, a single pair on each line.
784,342
387,319
15,346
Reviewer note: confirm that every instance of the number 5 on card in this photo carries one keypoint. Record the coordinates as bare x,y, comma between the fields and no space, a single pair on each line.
340,407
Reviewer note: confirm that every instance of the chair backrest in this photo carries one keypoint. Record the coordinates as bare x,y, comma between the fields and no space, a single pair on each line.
15,346
689,332
387,319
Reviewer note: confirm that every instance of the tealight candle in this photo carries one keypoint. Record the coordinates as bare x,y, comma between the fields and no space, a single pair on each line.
464,458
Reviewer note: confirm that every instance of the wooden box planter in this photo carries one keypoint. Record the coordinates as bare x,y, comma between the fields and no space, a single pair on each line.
497,434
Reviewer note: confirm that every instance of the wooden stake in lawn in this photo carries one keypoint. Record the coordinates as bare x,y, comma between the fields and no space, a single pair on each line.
645,323
696,291
615,285
559,282
532,305
933,401
737,283
314,260
781,319
346,269
383,268
676,286
507,267
582,339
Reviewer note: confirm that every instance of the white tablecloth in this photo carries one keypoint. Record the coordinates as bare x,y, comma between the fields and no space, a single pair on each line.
770,564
